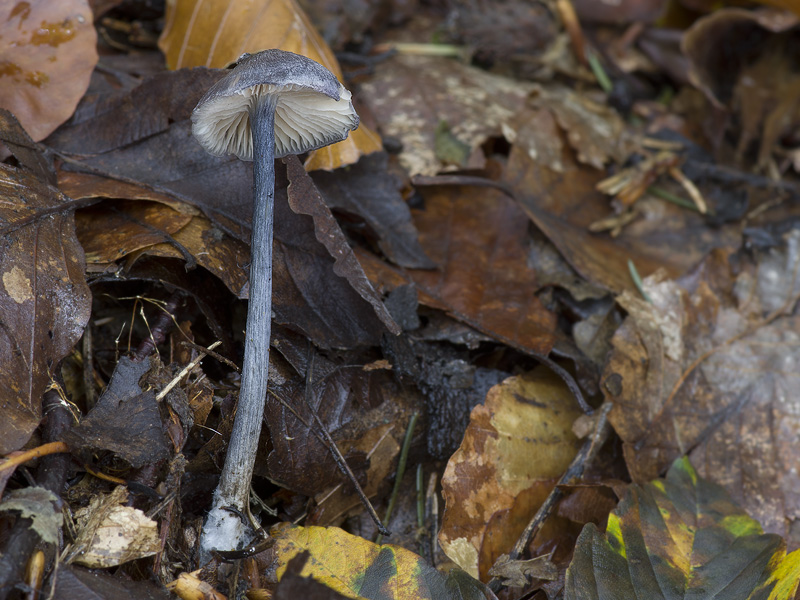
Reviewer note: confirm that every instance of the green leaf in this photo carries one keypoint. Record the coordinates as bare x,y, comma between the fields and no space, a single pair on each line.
681,538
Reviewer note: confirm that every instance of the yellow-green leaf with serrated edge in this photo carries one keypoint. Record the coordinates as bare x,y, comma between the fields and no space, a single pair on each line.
681,537
357,568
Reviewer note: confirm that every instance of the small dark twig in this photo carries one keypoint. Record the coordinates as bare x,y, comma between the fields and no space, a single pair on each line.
575,470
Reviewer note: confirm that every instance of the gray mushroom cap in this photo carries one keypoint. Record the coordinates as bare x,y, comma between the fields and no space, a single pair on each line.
313,108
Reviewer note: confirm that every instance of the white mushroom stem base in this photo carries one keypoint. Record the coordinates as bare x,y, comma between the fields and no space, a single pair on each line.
224,530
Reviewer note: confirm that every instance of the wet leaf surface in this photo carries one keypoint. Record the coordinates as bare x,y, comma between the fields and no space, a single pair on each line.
49,55
45,302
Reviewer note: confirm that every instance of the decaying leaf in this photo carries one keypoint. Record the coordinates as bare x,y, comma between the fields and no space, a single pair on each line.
515,448
411,95
213,34
564,204
110,534
38,505
44,300
364,412
48,57
518,573
125,420
681,537
708,369
358,568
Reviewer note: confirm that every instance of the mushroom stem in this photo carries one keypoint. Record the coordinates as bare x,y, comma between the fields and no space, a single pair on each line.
223,530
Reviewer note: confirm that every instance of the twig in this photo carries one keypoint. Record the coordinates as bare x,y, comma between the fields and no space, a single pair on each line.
401,469
575,470
185,371
336,453
212,354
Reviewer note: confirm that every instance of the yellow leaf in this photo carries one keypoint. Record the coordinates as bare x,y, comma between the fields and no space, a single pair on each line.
353,566
215,33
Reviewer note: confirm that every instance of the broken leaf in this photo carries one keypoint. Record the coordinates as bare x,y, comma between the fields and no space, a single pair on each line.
368,190
305,199
125,420
213,34
44,300
38,505
681,537
110,534
357,568
492,485
48,57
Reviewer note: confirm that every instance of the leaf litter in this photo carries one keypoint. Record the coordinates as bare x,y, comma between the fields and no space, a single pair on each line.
464,262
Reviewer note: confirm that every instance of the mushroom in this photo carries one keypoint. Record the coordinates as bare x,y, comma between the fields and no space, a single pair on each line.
272,104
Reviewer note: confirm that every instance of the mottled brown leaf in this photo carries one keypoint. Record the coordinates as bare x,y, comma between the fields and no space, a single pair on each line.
44,300
491,486
411,95
709,369
48,57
